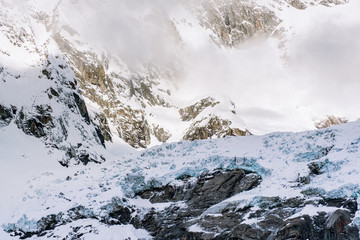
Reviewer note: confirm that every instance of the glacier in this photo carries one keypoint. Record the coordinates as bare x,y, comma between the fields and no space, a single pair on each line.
311,166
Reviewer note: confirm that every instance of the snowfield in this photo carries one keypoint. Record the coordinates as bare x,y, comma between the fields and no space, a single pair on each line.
281,159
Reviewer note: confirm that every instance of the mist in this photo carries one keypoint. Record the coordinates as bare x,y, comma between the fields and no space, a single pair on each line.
327,58
274,89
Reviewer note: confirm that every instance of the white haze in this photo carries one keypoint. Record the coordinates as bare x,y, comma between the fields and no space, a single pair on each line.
317,74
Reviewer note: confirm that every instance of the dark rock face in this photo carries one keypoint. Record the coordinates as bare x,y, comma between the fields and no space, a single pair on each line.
214,188
80,155
104,127
117,212
207,190
5,116
350,204
326,227
38,123
82,107
271,214
297,228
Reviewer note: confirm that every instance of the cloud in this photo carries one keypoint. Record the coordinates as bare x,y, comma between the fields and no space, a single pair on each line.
320,75
326,62
137,31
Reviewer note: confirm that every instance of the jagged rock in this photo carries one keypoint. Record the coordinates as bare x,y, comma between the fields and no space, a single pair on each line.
116,212
233,22
297,228
319,227
337,221
213,127
37,123
143,90
213,188
5,116
297,4
191,112
104,127
131,123
82,107
349,204
301,4
244,231
330,121
207,190
271,216
70,117
135,131
78,154
161,134
331,2
316,168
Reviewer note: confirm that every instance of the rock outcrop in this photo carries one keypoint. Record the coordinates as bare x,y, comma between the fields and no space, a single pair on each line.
330,121
302,4
207,121
213,127
6,115
234,22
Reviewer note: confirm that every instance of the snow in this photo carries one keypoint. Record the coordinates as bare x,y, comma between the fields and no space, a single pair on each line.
280,158
311,210
196,228
118,232
22,158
